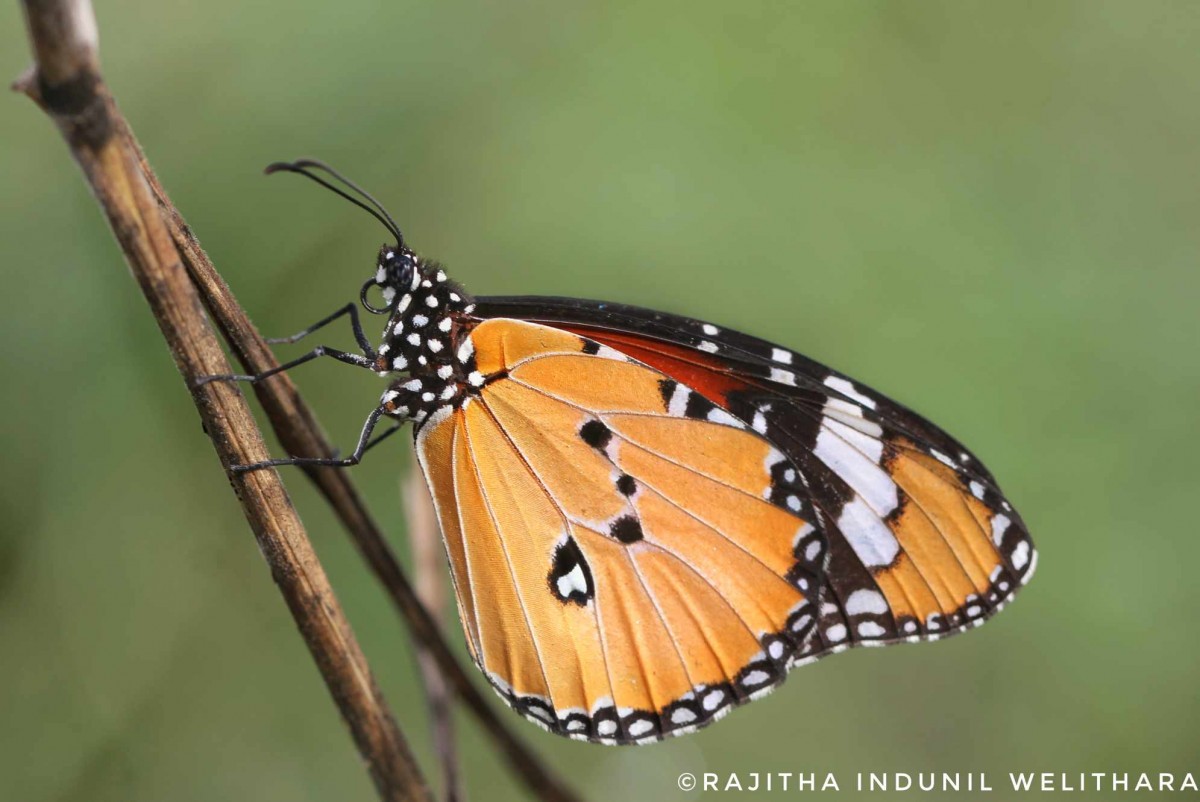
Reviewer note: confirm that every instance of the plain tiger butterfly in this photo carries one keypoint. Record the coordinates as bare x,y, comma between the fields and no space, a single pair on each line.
650,519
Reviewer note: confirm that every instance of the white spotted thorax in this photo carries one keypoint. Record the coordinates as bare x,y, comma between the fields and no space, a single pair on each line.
425,338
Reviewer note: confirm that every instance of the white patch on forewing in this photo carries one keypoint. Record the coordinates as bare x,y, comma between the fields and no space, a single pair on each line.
1000,523
710,329
783,376
1033,558
842,409
571,581
605,352
835,633
848,389
976,490
718,415
781,356
855,458
678,402
942,458
870,538
852,416
759,424
866,601
1020,555
708,347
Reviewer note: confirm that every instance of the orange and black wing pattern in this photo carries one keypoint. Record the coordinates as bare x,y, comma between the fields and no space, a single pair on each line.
672,515
624,570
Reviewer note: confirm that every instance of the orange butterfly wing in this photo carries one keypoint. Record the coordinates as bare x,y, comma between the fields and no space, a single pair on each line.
922,543
621,570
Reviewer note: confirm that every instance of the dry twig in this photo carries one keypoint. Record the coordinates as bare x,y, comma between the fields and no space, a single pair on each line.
296,426
67,84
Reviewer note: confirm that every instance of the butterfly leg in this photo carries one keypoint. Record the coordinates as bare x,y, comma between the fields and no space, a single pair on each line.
350,309
321,350
379,438
364,442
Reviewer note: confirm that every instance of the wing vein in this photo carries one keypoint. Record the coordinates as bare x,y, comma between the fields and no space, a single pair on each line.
483,490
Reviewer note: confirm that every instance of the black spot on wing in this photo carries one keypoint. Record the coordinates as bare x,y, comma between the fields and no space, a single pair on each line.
566,568
698,406
626,529
595,434
666,389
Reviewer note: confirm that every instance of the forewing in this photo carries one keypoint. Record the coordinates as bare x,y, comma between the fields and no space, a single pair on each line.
922,542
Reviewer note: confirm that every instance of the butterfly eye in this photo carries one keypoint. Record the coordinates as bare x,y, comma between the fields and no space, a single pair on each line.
393,276
400,272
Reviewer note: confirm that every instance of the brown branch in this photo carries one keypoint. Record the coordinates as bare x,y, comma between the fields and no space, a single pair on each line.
67,84
296,426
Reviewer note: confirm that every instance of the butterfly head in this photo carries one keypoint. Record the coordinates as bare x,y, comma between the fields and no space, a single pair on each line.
428,315
396,273
426,312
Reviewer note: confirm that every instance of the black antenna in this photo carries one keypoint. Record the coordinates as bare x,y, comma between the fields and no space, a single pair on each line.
301,167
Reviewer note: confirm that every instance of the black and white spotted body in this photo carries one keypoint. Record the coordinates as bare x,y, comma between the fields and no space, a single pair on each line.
424,339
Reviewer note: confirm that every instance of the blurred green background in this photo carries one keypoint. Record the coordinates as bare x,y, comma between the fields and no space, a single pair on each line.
986,210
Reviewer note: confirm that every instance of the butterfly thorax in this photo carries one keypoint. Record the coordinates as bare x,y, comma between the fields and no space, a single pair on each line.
425,338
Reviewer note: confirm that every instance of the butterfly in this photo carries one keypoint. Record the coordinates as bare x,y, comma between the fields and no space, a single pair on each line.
649,519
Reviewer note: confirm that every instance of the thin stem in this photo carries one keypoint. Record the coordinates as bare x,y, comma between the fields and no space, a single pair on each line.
299,432
67,84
